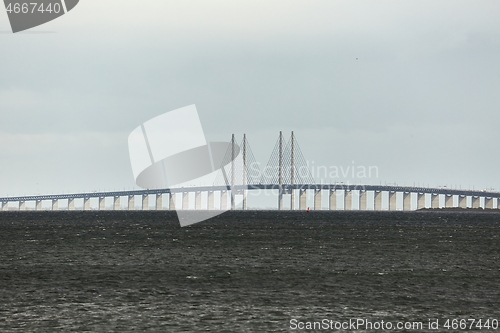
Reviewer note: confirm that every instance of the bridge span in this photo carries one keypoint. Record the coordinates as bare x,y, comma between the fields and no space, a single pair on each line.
287,174
338,196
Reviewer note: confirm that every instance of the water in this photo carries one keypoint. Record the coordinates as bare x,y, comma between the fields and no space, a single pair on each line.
244,271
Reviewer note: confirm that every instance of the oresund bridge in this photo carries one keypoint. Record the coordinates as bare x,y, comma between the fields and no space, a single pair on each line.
286,173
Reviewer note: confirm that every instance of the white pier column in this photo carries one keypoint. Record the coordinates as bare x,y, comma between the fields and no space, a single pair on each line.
159,201
333,200
448,200
211,200
145,202
488,203
116,203
476,202
55,204
462,201
185,200
434,200
197,200
498,203
362,200
302,199
71,204
171,201
347,199
131,202
317,199
420,200
102,203
22,205
5,205
223,200
406,200
86,203
377,197
292,199
392,200
38,204
245,207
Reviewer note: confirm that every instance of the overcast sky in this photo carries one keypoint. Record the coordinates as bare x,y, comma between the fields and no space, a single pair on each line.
412,87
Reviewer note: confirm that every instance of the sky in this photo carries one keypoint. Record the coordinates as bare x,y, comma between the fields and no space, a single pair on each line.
411,87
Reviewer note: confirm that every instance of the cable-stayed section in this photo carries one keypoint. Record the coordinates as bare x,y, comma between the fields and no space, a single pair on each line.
271,172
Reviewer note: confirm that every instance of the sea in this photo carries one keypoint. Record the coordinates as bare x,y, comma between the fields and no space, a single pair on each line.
250,271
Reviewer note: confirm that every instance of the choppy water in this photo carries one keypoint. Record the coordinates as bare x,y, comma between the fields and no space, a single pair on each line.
244,271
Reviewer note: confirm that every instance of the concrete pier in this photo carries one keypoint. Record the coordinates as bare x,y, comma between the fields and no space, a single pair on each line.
5,205
22,205
185,200
406,201
86,203
102,203
392,200
347,200
476,202
292,200
171,201
131,202
420,200
197,200
434,200
145,202
116,203
332,205
488,203
362,200
377,198
159,201
223,200
211,200
71,204
302,199
55,204
462,201
448,201
317,199
38,204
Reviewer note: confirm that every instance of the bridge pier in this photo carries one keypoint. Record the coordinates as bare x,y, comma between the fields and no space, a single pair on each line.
462,201
55,204
159,201
317,199
498,203
292,200
448,200
347,199
102,203
86,203
5,205
22,205
131,202
420,200
434,200
223,200
171,201
211,200
38,204
488,203
406,201
302,199
377,198
116,203
333,200
392,200
197,200
476,202
245,200
362,200
145,202
71,204
185,200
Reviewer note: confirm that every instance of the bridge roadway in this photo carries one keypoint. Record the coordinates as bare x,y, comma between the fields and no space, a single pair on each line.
286,189
337,187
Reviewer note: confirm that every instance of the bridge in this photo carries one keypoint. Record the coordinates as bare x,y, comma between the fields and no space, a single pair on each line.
286,173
